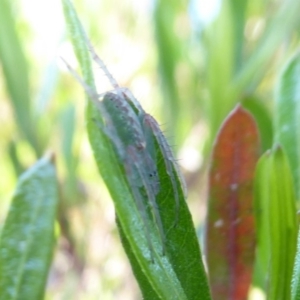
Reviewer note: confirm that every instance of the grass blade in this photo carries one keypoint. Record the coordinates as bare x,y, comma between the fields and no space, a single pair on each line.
263,248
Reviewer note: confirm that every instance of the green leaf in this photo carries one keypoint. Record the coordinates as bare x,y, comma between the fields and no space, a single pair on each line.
296,274
27,238
15,71
230,230
220,66
67,124
287,116
261,202
263,119
177,274
14,158
67,120
169,48
146,287
276,205
279,28
181,251
238,12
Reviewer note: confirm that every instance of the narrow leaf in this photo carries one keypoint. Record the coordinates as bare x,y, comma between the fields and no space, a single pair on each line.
230,236
263,247
169,275
277,206
220,36
168,50
67,120
238,12
27,238
263,119
296,275
181,251
287,116
15,71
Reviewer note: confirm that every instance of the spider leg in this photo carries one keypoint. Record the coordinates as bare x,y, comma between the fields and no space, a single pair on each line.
102,65
128,96
91,92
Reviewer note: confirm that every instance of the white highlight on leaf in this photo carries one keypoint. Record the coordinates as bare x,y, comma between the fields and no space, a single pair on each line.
236,221
219,223
234,186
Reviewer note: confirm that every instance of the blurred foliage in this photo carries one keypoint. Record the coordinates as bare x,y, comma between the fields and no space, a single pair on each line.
27,239
189,63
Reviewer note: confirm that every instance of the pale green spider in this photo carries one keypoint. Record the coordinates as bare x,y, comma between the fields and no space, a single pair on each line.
134,134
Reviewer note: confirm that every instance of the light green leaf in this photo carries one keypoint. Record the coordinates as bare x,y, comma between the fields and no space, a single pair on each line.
261,204
169,47
220,67
296,275
238,12
67,123
276,218
27,239
263,119
287,116
15,71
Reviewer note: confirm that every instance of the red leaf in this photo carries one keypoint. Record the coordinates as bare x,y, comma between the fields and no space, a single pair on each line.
230,232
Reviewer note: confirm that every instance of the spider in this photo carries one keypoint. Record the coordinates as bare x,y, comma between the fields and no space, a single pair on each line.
134,135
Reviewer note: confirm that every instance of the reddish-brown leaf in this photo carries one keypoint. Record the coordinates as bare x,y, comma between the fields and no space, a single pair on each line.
230,232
